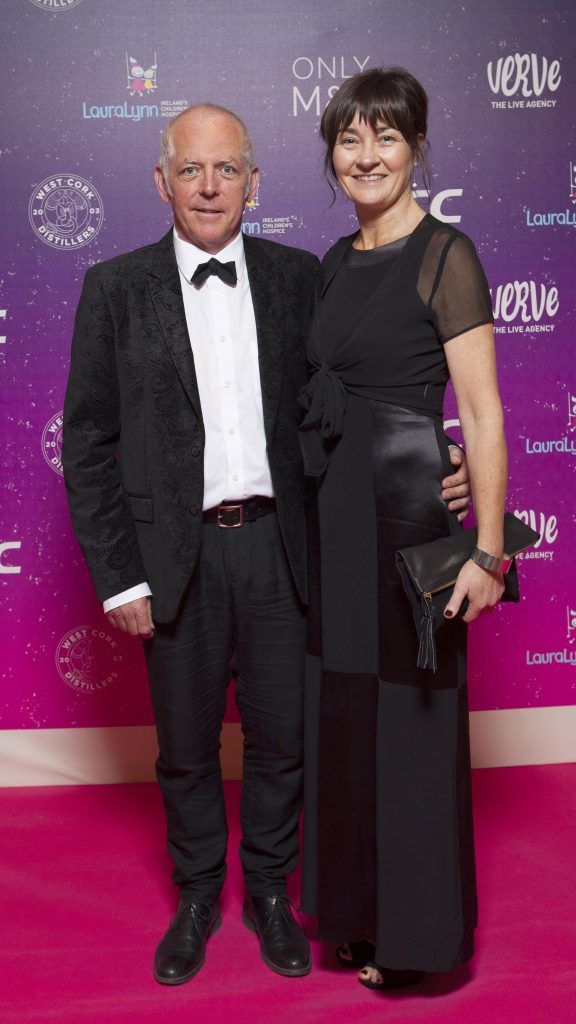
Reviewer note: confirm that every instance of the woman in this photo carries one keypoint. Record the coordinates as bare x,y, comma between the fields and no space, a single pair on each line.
388,849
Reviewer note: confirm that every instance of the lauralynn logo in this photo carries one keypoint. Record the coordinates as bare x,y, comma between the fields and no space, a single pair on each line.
141,82
65,211
571,412
278,224
56,5
523,81
565,655
572,190
565,445
88,659
52,443
254,203
524,307
550,218
252,227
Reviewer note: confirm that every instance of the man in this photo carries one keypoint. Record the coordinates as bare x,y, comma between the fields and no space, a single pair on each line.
185,484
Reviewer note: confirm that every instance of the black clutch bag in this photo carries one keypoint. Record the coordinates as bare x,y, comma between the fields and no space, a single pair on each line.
429,572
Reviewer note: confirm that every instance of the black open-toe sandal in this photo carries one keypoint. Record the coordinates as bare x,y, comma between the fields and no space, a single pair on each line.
390,979
360,952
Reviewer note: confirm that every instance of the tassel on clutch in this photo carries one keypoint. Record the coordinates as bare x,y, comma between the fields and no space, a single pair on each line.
429,572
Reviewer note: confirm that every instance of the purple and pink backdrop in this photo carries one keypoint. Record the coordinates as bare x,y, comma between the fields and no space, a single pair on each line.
91,85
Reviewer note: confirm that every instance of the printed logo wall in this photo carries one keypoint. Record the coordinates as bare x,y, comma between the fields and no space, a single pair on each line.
93,86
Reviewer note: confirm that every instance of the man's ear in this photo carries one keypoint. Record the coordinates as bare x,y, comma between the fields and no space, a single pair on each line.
161,185
253,182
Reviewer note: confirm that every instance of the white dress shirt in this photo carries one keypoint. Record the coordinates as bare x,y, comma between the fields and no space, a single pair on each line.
222,330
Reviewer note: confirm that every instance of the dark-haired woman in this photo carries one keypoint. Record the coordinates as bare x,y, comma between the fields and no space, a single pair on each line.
388,849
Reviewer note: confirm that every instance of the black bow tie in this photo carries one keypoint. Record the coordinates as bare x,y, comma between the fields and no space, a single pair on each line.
225,271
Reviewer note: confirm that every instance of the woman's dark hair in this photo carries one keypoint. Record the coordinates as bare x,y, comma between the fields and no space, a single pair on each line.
390,96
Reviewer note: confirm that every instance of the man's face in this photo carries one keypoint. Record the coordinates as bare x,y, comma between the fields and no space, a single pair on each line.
208,180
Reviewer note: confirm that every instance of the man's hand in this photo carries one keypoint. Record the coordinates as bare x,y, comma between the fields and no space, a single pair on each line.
134,618
456,488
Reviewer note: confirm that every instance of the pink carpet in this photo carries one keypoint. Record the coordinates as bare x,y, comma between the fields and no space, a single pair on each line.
87,895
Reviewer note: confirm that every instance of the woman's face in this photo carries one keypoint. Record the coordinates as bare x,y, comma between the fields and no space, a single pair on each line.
373,167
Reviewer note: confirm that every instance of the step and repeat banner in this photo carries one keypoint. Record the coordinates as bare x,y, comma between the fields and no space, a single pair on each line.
90,84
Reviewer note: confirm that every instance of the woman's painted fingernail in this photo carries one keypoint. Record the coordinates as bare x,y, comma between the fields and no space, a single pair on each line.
448,613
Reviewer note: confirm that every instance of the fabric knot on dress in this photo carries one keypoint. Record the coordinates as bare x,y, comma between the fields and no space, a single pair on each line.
324,399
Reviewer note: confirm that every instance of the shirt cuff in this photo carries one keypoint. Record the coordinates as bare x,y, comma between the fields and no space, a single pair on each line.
140,590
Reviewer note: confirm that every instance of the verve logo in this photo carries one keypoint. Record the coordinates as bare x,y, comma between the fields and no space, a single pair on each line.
524,74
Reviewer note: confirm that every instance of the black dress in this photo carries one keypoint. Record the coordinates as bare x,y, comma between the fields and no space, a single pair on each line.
388,846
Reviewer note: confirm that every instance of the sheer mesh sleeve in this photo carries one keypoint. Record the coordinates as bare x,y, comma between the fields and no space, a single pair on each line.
459,297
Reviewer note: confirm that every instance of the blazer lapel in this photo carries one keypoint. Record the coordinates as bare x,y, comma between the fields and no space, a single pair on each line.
267,289
166,293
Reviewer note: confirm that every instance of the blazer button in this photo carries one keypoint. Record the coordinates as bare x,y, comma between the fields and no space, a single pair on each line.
194,510
196,450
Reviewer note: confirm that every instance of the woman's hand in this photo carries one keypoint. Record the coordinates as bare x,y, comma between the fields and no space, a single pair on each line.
482,588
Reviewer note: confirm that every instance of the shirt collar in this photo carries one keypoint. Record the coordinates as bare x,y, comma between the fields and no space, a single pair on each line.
189,256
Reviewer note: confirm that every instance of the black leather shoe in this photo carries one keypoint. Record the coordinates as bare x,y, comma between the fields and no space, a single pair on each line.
182,950
283,946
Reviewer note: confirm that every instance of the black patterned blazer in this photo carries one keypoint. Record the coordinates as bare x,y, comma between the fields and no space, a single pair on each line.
133,432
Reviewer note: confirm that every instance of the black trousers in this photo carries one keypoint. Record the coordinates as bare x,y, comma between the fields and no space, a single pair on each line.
241,610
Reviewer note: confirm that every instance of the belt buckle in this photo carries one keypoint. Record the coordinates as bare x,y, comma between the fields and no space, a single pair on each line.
230,508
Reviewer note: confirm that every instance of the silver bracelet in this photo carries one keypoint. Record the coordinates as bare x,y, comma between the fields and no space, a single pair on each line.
490,562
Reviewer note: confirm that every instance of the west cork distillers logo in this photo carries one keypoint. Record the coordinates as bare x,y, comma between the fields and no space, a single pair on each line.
565,656
52,443
523,81
141,84
88,659
524,307
565,445
550,218
65,211
56,5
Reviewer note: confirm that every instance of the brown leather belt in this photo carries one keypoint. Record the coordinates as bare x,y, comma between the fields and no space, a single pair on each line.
232,514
